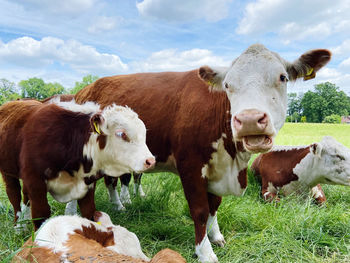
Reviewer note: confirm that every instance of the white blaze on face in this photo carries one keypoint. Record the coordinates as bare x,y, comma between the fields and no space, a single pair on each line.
256,86
126,148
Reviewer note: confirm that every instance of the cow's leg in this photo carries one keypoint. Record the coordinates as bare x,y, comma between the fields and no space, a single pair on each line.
137,185
40,208
124,192
111,184
196,195
318,194
25,207
71,208
13,191
213,229
87,203
269,192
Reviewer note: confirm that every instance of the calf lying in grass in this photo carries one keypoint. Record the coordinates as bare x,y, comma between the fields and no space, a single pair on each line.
76,239
297,169
63,148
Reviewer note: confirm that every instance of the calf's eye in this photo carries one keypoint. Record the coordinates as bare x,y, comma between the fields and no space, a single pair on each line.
122,135
283,78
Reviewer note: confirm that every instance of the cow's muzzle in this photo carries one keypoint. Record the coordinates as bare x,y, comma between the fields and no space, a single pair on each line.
254,128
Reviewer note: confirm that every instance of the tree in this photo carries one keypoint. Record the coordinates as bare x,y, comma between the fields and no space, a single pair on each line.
88,79
7,91
36,88
294,107
326,100
334,118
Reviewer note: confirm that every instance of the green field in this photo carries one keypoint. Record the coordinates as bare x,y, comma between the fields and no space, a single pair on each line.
295,230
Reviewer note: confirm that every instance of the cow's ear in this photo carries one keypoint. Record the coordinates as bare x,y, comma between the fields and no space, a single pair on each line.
96,122
213,76
308,64
316,149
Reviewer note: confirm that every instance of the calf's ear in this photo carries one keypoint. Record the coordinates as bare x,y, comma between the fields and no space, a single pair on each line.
96,122
213,76
316,149
308,64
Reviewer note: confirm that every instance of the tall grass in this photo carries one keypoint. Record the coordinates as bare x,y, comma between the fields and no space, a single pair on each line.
295,230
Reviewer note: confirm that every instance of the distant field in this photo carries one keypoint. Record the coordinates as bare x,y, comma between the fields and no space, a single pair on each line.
295,230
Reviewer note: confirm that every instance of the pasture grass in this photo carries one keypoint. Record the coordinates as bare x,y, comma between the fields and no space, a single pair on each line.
295,230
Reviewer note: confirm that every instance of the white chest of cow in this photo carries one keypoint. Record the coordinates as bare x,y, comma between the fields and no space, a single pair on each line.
223,171
66,188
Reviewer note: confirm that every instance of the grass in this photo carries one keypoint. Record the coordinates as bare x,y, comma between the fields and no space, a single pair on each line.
295,230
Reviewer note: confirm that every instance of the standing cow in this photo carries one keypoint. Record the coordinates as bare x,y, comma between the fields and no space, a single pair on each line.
64,148
293,169
205,123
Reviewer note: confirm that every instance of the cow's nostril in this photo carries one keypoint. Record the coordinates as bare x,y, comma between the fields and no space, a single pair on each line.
263,120
150,162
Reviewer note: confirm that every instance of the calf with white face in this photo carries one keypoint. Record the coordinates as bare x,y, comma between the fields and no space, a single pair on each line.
291,169
63,147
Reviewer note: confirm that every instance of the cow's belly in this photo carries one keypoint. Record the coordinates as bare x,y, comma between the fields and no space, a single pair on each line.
223,171
66,188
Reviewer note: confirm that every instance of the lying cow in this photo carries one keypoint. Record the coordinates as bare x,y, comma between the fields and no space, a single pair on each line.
64,148
291,169
110,181
76,239
204,124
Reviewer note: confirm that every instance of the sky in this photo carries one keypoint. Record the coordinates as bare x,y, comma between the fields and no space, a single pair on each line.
62,41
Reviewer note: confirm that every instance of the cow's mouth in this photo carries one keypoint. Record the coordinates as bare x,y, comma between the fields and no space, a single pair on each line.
257,143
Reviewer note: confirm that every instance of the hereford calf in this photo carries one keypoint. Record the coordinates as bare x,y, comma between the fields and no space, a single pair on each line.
64,148
298,169
76,239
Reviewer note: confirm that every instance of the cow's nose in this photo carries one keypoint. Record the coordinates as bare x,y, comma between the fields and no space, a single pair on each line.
149,163
250,122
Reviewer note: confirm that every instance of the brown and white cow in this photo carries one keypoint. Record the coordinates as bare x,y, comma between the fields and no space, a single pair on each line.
299,169
64,148
76,239
204,124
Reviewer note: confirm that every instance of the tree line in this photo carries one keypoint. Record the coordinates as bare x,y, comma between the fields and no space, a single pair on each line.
326,103
36,88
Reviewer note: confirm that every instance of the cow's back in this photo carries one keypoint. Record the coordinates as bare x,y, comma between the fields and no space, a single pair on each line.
177,108
13,116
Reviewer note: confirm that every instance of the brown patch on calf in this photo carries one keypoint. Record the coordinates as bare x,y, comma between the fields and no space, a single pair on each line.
276,167
102,141
105,238
242,178
168,256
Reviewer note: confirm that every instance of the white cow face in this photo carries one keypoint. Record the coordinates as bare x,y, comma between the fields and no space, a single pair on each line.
256,86
121,137
332,161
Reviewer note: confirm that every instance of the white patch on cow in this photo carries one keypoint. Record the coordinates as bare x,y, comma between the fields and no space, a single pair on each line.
87,108
65,188
114,197
23,218
213,231
71,208
279,148
222,171
125,194
271,188
205,252
316,193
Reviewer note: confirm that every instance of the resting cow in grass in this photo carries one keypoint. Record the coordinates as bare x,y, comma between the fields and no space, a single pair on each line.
64,148
299,169
204,124
76,239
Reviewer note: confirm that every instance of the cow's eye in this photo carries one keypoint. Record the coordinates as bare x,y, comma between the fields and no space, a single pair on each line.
226,86
122,135
283,78
340,157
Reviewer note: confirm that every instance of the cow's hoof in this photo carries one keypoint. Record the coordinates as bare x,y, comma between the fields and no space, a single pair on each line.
220,243
205,252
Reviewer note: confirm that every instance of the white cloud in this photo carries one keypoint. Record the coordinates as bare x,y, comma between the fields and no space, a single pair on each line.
103,23
174,60
295,20
28,52
342,49
184,10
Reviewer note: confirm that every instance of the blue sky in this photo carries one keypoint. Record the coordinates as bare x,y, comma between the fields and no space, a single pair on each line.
62,41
